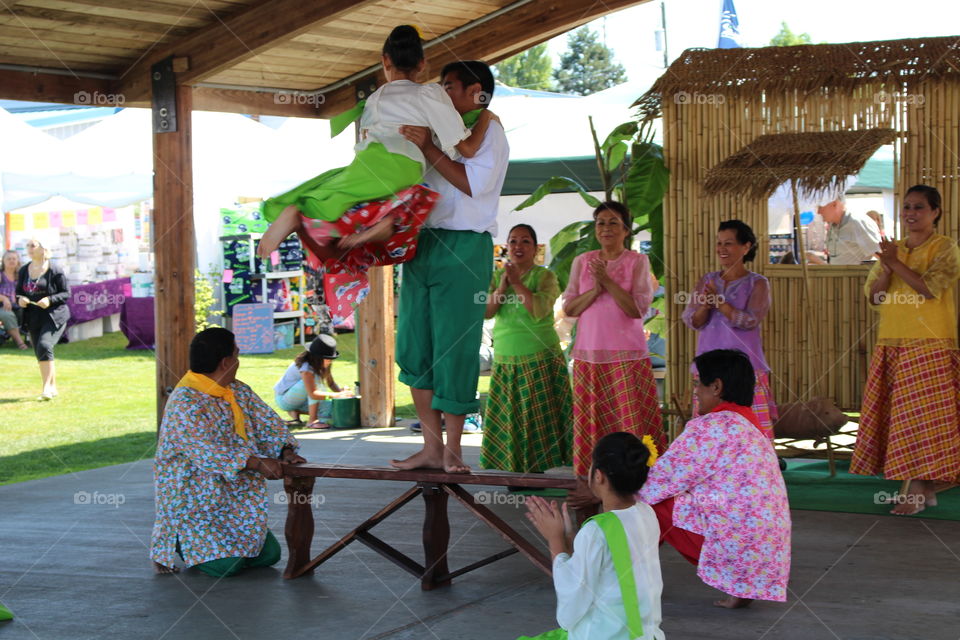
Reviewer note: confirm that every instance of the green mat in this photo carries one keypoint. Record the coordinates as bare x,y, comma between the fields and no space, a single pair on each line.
810,488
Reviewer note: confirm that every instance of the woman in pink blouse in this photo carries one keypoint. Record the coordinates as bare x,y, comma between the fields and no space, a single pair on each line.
610,290
718,492
727,308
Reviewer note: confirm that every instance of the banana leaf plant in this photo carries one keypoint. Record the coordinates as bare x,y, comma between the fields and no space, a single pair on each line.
633,172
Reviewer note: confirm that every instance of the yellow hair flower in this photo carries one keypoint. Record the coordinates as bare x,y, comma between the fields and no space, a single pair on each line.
419,32
651,446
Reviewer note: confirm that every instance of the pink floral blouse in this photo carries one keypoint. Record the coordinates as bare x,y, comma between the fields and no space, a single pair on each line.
728,488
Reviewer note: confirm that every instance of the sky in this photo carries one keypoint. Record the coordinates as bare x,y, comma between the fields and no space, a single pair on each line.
696,23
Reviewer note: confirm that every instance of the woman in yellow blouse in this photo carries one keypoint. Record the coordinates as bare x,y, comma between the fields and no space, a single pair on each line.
910,420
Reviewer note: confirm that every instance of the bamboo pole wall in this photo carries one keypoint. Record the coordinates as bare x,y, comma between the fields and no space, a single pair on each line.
702,130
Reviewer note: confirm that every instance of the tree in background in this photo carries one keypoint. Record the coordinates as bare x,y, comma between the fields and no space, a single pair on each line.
528,70
587,66
787,38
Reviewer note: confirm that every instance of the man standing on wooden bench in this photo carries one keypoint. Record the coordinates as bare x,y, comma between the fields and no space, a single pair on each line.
443,293
219,443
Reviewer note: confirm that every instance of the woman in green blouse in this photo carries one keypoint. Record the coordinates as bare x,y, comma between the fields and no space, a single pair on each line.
529,416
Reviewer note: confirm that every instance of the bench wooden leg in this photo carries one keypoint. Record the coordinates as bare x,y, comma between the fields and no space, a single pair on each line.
299,526
499,525
436,537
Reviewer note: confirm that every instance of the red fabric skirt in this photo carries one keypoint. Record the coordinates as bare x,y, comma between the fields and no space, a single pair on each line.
611,397
688,543
411,208
348,271
910,420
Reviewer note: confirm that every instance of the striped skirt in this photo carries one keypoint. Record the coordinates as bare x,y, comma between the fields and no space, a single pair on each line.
910,419
528,422
763,404
610,397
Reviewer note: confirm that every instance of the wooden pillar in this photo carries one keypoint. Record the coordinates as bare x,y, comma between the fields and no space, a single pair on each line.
375,350
174,247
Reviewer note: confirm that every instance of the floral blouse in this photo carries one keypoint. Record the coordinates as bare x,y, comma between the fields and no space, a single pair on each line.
205,498
728,488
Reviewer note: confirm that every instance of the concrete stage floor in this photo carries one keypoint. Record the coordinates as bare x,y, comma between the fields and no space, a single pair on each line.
74,564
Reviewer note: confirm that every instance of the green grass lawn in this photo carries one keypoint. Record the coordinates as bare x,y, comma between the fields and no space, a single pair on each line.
106,411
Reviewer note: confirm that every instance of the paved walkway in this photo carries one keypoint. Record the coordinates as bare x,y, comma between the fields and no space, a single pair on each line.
75,565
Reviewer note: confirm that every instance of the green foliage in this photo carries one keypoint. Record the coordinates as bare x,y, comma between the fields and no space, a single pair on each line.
528,70
557,183
639,180
580,238
787,38
587,66
203,301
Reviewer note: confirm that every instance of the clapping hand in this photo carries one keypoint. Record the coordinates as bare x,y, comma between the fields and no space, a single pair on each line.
709,294
887,253
552,523
598,269
511,274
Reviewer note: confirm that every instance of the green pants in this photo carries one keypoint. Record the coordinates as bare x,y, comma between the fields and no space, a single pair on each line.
375,173
226,567
443,296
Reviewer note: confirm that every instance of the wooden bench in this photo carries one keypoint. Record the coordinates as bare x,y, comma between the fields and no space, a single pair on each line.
435,486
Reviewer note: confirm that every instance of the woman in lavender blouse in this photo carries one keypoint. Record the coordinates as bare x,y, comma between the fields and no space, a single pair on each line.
727,309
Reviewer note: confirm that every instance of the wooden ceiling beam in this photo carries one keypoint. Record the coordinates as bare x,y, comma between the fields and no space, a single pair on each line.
61,89
510,33
498,38
235,39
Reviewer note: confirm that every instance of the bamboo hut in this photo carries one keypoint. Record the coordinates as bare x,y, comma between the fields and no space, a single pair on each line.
719,105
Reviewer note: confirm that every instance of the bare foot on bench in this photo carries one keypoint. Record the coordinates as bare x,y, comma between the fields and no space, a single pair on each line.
420,460
732,602
162,569
453,461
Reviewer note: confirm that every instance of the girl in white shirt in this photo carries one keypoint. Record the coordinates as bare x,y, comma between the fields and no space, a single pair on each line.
383,176
607,578
307,386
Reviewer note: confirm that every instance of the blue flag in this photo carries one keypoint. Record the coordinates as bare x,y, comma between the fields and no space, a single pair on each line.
729,27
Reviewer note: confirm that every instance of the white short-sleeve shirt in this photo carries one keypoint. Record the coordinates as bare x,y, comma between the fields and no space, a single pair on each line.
486,171
405,102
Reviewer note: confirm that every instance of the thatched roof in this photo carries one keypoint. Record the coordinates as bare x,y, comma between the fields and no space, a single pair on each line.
740,72
816,162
